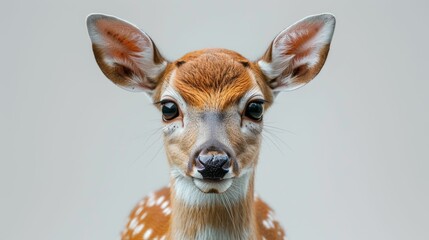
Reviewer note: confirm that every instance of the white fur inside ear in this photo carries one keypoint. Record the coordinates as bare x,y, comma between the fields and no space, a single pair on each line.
123,43
299,44
273,69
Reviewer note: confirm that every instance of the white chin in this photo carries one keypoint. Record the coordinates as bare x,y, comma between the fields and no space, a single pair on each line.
213,186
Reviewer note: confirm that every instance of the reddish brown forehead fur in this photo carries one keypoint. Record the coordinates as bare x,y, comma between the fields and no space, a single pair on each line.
212,78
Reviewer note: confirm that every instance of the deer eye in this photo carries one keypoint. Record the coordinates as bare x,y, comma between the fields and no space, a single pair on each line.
255,110
169,110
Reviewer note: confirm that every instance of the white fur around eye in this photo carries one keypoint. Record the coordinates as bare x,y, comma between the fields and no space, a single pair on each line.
170,93
172,128
175,126
254,93
251,128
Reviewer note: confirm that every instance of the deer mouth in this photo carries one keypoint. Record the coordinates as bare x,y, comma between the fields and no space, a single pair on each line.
212,185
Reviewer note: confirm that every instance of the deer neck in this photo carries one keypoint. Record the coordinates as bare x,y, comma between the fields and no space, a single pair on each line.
228,215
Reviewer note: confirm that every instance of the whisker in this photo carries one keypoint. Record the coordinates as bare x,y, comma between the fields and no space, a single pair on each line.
145,134
278,129
154,156
145,151
273,142
277,138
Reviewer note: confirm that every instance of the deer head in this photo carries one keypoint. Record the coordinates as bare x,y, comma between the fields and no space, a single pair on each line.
212,101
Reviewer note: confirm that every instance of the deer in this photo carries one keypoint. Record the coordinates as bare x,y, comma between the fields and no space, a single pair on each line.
212,104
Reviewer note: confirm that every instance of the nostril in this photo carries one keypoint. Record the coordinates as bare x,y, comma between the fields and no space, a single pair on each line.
220,161
205,158
213,166
202,161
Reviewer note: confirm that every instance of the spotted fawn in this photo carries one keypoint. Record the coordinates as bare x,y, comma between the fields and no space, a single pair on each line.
212,103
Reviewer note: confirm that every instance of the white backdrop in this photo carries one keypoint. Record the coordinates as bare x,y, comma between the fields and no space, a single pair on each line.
351,160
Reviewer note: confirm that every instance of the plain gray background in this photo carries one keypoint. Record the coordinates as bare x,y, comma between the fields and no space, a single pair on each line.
346,156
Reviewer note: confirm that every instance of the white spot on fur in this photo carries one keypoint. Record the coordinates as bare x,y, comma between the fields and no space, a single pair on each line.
139,210
160,200
133,223
268,223
151,200
138,229
164,205
147,234
167,211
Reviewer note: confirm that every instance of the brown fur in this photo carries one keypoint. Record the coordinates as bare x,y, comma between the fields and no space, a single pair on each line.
304,73
212,78
118,34
296,46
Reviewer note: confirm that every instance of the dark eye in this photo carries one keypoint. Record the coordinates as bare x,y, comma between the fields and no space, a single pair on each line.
169,110
254,110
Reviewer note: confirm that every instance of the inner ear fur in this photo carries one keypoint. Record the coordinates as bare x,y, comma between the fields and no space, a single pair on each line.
124,53
298,53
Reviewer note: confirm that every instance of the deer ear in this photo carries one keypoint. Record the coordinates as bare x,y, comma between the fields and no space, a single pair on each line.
298,53
125,54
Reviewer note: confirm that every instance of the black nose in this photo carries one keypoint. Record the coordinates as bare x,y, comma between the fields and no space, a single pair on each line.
212,163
